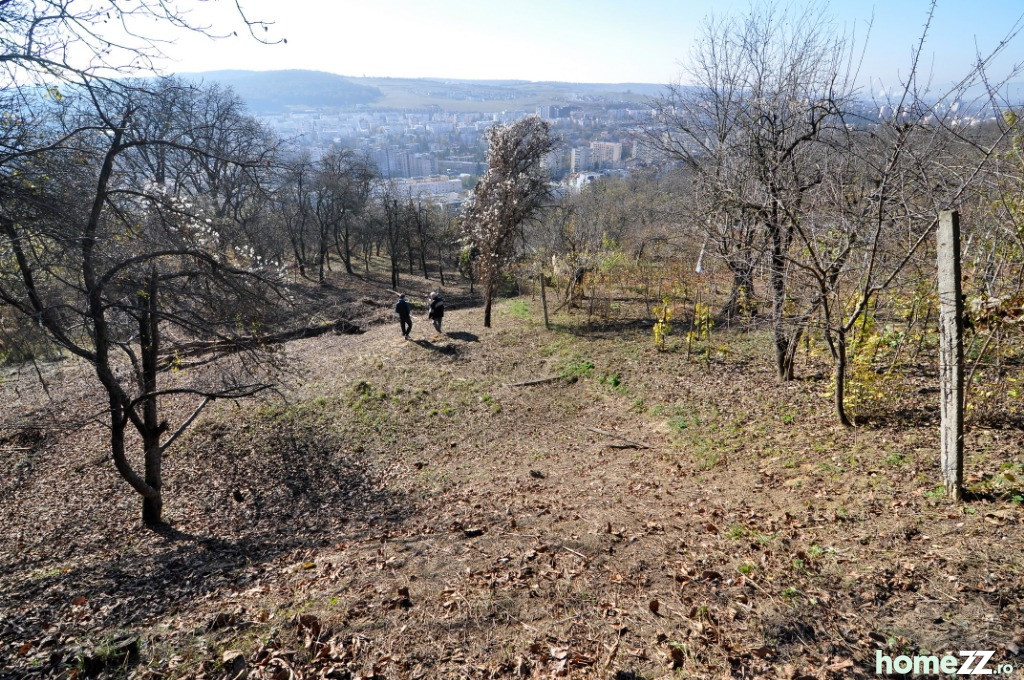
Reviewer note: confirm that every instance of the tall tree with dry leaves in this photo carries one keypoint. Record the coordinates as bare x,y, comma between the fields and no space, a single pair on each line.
510,192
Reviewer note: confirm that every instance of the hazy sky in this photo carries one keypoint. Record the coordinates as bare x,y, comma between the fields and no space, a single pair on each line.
570,40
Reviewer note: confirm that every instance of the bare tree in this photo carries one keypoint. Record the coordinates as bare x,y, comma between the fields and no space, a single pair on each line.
390,218
126,275
47,46
348,178
51,41
762,108
512,189
293,202
881,199
786,162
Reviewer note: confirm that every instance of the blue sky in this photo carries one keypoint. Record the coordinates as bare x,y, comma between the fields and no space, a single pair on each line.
570,40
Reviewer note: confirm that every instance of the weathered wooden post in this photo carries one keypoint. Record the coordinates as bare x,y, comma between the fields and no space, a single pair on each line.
951,353
544,299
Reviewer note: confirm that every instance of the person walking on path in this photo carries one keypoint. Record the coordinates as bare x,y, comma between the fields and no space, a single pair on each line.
404,316
436,313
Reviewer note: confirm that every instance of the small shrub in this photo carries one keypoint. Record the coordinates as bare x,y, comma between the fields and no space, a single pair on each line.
678,423
662,325
577,367
894,460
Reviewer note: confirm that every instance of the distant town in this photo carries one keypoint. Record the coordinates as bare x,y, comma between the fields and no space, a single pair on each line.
440,154
426,137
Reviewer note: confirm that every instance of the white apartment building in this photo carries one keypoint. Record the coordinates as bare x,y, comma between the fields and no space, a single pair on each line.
606,152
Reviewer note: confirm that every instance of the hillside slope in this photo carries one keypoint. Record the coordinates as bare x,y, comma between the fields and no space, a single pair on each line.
275,91
411,510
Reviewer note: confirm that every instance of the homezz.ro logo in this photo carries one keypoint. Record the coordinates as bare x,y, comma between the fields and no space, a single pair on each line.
969,662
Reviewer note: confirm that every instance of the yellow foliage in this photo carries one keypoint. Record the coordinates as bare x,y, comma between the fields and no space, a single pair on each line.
663,315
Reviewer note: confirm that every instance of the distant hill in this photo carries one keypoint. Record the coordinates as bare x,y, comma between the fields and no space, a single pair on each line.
271,91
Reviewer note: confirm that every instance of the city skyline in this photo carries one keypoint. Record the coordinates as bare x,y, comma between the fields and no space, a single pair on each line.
594,42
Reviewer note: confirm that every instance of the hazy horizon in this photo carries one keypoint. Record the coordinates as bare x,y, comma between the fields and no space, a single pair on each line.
598,42
438,78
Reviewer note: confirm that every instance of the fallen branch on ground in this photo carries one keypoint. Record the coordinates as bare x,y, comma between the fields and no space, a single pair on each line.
536,381
173,355
638,445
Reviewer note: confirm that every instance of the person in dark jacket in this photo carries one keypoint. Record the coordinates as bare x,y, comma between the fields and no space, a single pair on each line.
436,313
404,316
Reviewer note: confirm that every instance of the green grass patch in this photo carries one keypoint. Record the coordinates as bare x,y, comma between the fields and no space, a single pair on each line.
519,309
576,367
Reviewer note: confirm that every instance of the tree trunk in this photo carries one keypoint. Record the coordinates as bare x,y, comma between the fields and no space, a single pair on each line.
840,378
149,339
346,254
118,422
487,308
741,297
152,506
423,258
298,248
783,364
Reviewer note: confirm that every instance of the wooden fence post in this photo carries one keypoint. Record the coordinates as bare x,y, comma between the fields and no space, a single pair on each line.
544,299
951,354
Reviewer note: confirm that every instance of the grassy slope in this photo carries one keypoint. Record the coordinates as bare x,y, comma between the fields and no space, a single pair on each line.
407,513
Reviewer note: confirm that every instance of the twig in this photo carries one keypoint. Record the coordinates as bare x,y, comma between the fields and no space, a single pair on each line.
184,425
579,555
613,650
536,381
94,461
618,436
520,622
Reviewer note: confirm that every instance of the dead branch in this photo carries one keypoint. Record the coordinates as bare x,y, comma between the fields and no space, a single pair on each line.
536,381
232,345
638,445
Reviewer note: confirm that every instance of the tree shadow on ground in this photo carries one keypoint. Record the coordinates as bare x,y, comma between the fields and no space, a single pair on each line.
925,415
447,350
610,328
463,336
990,495
928,415
251,499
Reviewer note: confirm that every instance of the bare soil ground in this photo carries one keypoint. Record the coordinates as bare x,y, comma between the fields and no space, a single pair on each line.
405,509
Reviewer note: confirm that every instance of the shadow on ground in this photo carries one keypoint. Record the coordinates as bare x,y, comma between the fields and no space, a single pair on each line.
445,349
251,501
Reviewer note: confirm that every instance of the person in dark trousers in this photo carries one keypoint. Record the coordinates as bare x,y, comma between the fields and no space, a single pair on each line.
404,316
436,313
